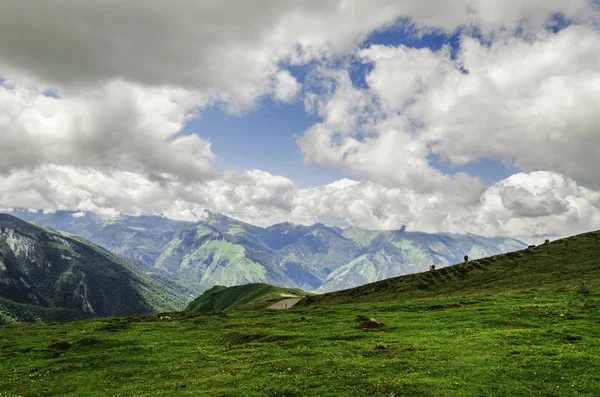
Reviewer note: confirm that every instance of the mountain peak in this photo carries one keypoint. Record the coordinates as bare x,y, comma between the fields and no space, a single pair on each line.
12,222
9,218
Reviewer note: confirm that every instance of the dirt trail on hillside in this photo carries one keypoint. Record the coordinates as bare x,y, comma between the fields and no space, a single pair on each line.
285,304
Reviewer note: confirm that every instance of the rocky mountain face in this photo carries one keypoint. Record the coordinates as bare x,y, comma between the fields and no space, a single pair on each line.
50,269
224,251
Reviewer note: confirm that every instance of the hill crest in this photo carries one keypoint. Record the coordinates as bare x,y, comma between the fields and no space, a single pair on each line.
247,296
566,264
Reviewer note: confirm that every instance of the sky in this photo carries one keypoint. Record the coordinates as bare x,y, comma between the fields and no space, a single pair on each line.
445,116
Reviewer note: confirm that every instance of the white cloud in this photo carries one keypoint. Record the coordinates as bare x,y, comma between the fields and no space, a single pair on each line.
229,49
286,86
538,203
118,106
118,126
126,77
523,205
530,102
359,136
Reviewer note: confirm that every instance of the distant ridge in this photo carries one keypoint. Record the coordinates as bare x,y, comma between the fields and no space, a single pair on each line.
220,250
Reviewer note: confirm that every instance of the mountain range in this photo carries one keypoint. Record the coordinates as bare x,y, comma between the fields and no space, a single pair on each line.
223,251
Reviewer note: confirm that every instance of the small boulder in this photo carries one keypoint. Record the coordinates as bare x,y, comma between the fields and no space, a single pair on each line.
59,345
369,324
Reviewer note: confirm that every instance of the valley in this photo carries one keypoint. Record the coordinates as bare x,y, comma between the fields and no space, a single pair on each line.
223,251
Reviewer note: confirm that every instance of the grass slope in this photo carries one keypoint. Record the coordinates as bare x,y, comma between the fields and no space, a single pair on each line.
559,265
543,344
520,325
248,296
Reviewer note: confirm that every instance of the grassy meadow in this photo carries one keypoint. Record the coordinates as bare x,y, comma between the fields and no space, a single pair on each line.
518,324
528,344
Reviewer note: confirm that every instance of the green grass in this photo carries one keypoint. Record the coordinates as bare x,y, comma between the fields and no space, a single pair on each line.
538,344
248,296
520,324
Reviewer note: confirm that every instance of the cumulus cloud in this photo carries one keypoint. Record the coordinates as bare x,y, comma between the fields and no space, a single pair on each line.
286,86
527,101
229,50
252,195
545,204
117,126
536,204
523,205
128,75
217,47
94,98
357,137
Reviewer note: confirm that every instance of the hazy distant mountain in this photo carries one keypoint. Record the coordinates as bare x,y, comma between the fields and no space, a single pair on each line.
224,251
49,269
142,238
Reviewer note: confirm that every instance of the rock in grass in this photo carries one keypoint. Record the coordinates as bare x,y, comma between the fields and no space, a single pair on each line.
370,323
60,345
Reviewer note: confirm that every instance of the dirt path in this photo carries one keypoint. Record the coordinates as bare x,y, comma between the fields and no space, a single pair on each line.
284,304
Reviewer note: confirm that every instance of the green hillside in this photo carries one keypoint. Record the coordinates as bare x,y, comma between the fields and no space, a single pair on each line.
61,274
559,265
12,312
249,296
203,257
